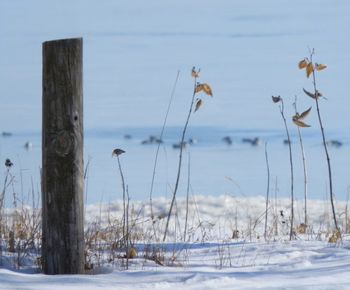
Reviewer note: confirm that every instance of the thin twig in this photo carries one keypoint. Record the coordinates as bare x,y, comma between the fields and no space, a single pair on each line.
331,193
304,167
124,196
127,229
187,193
291,171
180,159
267,190
158,147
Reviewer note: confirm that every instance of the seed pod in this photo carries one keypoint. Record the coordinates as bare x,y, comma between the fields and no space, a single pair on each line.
276,99
198,104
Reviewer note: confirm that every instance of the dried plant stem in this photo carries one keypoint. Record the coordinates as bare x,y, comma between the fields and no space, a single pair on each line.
267,190
86,180
187,193
304,168
124,198
331,193
127,229
291,172
158,147
7,183
180,159
346,212
276,210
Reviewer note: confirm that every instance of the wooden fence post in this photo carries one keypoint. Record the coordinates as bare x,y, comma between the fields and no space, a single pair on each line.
62,158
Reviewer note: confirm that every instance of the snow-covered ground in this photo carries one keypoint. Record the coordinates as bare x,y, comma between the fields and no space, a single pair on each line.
211,258
275,265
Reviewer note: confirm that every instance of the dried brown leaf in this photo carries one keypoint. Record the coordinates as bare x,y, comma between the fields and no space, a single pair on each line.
309,69
207,90
304,114
320,66
276,99
302,64
301,229
199,88
334,237
199,103
194,73
300,123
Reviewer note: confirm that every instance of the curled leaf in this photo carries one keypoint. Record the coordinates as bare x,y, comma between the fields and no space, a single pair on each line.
207,90
304,114
199,88
300,123
198,104
194,73
314,96
309,94
309,69
117,152
302,64
276,99
320,66
298,117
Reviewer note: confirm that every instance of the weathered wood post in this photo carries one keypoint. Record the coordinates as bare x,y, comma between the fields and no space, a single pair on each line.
62,158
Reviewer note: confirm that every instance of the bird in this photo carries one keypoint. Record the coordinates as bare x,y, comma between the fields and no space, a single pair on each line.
254,142
152,140
127,136
192,141
335,143
6,134
117,152
28,145
227,140
180,145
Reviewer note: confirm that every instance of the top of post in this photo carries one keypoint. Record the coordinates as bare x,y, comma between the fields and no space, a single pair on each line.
63,40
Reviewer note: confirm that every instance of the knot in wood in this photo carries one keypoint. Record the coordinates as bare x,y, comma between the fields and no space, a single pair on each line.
63,143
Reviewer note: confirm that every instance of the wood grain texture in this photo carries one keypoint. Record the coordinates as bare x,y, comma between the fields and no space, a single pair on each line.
62,157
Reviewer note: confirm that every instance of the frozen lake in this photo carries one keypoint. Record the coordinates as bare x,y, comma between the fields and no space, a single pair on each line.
247,51
215,167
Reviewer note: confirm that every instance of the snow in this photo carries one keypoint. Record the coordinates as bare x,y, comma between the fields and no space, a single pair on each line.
275,265
212,260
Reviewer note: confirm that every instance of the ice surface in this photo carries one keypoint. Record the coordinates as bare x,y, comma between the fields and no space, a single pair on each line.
132,52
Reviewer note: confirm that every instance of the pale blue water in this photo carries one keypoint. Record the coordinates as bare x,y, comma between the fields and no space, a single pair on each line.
247,51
